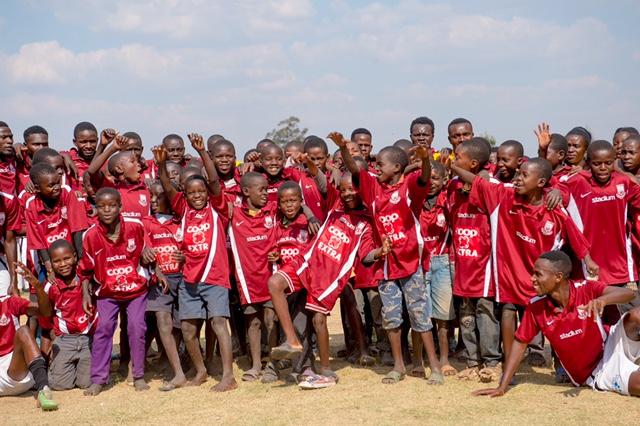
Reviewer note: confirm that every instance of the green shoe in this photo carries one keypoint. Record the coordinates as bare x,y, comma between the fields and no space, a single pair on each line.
45,400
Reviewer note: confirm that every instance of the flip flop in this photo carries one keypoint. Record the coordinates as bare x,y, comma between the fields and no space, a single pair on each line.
284,351
168,386
435,378
250,376
366,361
448,370
393,377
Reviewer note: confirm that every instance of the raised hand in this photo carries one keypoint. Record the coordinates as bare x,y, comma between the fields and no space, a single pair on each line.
25,273
543,135
594,308
121,143
107,136
159,154
338,139
197,142
421,152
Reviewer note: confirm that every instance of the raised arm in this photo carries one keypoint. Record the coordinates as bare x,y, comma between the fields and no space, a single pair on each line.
422,152
44,305
160,155
107,149
347,159
213,181
464,175
544,139
610,296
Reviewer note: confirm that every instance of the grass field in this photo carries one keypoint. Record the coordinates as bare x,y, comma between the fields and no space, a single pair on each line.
359,398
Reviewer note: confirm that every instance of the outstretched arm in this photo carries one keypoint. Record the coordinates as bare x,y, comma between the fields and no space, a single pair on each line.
160,154
347,159
107,150
544,139
44,305
213,181
422,152
515,357
464,175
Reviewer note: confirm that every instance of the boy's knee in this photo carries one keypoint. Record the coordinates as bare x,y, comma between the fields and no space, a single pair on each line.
319,320
276,284
188,330
219,324
254,322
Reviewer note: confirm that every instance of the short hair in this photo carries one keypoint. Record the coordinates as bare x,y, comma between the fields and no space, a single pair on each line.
517,146
289,185
439,167
107,191
249,152
581,131
298,144
459,121
424,121
264,141
172,136
632,138
34,130
190,169
132,135
39,170
3,124
403,144
544,167
220,143
250,177
395,155
360,131
115,160
477,150
84,126
313,141
493,149
60,243
558,142
173,164
44,154
630,130
559,260
269,147
599,145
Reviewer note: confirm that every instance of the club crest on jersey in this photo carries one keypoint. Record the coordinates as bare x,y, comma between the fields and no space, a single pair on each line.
621,192
547,229
131,245
303,236
395,198
268,222
360,228
63,212
143,200
179,236
582,314
441,220
238,201
4,320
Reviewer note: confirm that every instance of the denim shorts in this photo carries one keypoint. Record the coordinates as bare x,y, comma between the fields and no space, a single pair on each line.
416,297
439,281
202,301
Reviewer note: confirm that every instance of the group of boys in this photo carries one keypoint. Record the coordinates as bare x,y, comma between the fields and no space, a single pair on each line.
411,241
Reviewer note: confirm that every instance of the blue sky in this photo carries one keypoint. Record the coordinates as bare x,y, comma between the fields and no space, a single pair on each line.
237,68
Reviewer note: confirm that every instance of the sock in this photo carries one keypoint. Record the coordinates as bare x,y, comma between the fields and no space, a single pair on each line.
38,369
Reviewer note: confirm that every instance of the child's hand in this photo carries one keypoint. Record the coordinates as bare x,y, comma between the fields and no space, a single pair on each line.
594,308
159,154
87,304
273,256
592,268
553,199
162,281
253,157
30,187
177,256
387,246
107,136
314,225
148,256
70,166
121,143
247,167
21,151
543,135
338,139
421,152
197,142
25,273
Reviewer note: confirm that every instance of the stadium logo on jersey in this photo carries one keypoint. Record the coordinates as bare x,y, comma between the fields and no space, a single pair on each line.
63,212
131,245
395,198
268,222
547,229
571,333
4,320
143,200
621,192
441,221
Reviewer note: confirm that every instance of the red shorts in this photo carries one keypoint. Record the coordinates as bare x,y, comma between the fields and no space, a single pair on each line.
323,304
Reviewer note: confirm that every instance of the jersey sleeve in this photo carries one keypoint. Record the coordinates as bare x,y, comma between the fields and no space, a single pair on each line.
87,263
368,187
219,203
486,195
595,289
633,196
179,204
528,328
18,306
367,243
35,235
577,240
417,191
13,214
77,213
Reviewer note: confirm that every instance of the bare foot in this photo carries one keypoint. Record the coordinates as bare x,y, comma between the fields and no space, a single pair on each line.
226,384
198,379
140,385
93,390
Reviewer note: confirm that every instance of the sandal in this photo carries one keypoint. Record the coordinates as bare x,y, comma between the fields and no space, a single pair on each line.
449,370
393,377
285,351
269,373
366,361
417,372
435,378
250,375
470,374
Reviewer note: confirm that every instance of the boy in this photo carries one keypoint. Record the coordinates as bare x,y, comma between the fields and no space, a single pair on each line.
112,253
21,363
123,165
553,147
324,271
8,178
71,363
630,156
162,236
223,154
175,153
568,314
85,141
394,200
362,137
251,234
521,223
35,138
510,156
578,139
620,135
204,295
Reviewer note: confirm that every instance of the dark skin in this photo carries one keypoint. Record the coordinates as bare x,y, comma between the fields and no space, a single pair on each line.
549,281
364,143
224,159
577,149
175,150
318,157
617,142
601,164
422,134
459,133
508,162
127,169
6,144
630,156
86,142
272,161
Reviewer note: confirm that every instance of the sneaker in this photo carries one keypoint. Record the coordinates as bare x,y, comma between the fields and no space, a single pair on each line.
45,400
317,382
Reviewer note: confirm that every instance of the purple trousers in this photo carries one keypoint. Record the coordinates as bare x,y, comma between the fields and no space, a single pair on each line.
108,310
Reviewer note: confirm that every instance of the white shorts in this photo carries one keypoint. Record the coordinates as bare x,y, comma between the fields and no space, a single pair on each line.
8,386
615,368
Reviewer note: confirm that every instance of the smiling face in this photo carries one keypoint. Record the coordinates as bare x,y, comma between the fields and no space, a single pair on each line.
108,207
272,160
290,202
48,186
86,141
464,161
601,164
545,278
387,169
508,163
348,194
196,193
256,192
528,179
224,158
63,261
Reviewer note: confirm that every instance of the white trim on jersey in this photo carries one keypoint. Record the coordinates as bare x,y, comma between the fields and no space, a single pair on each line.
493,221
214,243
239,270
346,267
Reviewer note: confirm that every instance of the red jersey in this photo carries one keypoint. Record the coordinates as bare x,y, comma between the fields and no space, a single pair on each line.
327,264
558,174
394,209
435,229
115,265
10,213
8,176
162,233
22,171
292,238
311,196
471,239
252,238
136,199
525,229
46,225
600,212
203,241
11,307
81,164
232,191
577,340
69,317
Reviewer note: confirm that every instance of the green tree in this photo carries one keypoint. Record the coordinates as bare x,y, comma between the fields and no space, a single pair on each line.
490,138
288,130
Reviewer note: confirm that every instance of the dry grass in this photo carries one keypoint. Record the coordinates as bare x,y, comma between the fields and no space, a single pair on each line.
359,398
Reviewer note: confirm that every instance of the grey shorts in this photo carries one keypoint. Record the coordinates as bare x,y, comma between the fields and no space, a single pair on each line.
157,301
71,362
439,281
416,297
254,308
202,301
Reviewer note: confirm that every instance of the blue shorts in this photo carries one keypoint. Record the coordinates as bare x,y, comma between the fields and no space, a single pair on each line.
416,297
202,301
439,282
